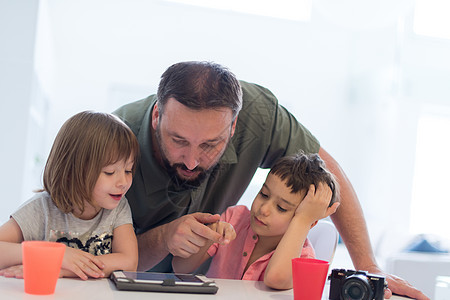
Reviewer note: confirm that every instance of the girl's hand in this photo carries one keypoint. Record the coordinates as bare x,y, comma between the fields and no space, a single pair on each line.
13,271
82,264
315,204
226,230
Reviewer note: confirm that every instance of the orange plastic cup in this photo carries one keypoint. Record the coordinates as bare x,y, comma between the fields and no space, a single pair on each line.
41,266
308,276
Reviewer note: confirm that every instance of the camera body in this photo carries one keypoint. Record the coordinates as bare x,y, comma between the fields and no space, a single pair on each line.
356,285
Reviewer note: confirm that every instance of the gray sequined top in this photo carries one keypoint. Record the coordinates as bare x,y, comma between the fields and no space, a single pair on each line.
40,219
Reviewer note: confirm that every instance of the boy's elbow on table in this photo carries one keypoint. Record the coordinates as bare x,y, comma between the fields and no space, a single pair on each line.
179,265
278,281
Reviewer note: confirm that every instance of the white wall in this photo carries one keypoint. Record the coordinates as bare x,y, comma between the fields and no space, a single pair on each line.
17,80
351,75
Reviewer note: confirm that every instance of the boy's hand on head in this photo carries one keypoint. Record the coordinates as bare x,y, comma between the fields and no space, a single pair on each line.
226,230
83,264
315,204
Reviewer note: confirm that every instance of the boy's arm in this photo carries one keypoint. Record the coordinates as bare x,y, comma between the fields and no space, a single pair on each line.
278,273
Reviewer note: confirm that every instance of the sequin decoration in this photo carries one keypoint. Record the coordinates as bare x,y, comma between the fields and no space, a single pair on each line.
99,244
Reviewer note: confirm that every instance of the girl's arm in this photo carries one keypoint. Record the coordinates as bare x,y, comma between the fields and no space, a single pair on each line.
190,264
78,263
10,247
313,207
124,254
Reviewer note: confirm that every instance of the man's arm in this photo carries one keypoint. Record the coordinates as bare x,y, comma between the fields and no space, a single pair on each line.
181,237
190,264
151,248
350,222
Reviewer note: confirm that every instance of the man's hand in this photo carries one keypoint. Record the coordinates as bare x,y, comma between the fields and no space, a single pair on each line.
398,286
185,235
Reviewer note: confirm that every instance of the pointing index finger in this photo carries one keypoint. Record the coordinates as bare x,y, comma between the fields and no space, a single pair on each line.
206,232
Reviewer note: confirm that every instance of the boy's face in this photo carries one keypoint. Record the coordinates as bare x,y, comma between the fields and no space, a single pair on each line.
274,206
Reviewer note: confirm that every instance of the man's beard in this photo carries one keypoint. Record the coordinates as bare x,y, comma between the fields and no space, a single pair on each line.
183,182
180,182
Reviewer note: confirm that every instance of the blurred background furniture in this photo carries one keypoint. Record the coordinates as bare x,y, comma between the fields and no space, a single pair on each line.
324,238
420,269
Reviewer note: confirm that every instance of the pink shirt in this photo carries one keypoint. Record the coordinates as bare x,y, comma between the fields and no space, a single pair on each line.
229,261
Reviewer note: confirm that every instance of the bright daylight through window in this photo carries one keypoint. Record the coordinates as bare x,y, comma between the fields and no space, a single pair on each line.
430,197
431,18
297,10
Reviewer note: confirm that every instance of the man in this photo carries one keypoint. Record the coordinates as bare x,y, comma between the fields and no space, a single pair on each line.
202,138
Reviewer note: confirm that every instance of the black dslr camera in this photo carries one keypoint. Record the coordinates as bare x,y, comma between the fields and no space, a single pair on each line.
356,285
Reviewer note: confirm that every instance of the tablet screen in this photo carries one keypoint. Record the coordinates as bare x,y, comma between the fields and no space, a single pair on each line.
160,277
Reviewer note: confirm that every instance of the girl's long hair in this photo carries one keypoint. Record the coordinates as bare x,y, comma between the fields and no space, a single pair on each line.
85,144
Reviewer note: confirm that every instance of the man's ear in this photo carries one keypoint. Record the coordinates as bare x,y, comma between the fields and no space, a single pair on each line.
233,126
313,224
155,116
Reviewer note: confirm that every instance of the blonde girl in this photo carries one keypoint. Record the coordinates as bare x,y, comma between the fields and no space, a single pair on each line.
82,204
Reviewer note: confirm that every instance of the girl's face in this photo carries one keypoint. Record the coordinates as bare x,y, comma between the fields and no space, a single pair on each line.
112,184
273,208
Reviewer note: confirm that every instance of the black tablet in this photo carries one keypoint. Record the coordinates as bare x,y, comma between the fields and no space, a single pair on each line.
163,282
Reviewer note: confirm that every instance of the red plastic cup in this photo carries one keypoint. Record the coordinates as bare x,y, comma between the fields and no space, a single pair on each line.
41,266
308,276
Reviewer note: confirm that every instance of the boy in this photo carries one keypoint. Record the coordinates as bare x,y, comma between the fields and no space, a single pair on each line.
298,191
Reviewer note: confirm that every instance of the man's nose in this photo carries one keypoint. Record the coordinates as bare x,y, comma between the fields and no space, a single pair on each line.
191,159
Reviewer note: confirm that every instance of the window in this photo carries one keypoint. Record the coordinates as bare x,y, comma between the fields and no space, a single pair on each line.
298,10
431,18
431,194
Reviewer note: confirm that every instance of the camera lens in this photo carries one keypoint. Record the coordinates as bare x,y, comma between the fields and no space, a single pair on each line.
357,287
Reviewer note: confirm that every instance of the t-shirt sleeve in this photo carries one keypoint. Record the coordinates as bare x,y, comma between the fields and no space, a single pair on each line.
123,213
31,219
308,250
288,137
278,130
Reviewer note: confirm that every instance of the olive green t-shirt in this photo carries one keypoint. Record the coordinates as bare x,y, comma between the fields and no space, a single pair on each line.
264,132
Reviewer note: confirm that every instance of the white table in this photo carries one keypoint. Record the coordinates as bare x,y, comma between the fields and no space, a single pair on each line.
66,288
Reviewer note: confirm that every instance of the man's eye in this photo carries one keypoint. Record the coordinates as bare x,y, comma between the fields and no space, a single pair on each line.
207,147
180,142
